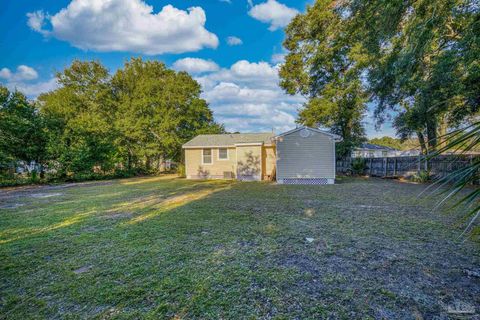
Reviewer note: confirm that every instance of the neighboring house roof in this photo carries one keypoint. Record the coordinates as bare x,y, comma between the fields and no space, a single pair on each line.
229,139
371,146
334,136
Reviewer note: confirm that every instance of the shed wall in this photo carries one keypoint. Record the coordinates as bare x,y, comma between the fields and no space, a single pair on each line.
310,157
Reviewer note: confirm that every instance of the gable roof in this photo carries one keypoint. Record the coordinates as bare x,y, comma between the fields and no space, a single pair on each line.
334,136
229,139
371,146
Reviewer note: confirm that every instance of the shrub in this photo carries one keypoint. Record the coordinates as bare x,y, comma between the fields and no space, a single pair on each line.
422,176
181,170
358,166
34,176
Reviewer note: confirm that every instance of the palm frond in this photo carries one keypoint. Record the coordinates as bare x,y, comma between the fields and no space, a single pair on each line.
460,141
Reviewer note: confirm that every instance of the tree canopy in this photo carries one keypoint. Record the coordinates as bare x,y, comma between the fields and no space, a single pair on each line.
22,135
96,121
416,59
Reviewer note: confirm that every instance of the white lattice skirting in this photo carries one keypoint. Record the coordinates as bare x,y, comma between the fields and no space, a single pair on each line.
306,181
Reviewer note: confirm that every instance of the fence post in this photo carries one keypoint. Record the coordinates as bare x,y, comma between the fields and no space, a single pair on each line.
370,167
395,167
385,163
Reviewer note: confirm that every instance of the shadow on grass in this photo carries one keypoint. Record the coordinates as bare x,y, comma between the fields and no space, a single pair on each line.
22,233
141,208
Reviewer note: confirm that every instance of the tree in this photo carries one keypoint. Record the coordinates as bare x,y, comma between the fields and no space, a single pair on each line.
416,59
22,135
324,63
157,110
79,118
423,62
395,143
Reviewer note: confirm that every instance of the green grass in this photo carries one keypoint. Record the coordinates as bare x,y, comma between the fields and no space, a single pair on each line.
163,247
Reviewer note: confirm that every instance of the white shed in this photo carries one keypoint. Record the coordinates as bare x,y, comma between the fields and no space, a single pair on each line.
305,156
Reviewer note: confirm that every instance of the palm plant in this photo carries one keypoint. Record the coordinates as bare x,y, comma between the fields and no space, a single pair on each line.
461,141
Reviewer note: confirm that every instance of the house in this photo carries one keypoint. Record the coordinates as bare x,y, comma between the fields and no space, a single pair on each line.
369,150
244,156
303,155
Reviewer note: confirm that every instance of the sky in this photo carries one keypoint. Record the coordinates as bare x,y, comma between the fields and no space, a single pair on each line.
233,48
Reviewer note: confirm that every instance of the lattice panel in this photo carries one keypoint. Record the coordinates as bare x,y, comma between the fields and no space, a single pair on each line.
306,181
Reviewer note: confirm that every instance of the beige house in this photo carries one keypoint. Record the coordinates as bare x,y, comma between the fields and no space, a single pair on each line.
300,156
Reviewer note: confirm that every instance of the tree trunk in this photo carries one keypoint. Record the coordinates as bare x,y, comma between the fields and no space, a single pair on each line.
442,132
421,140
431,135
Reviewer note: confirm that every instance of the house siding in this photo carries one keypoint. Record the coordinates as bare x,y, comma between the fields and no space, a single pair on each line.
195,169
249,162
310,157
269,162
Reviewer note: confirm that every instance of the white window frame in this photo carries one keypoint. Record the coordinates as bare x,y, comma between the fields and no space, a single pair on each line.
223,159
211,156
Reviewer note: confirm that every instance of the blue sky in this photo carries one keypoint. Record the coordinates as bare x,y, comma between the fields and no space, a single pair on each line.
232,47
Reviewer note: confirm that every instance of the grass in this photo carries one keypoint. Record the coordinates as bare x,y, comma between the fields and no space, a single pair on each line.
164,247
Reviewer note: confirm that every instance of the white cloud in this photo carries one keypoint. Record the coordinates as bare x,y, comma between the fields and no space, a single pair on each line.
275,13
246,97
252,74
33,90
36,21
23,73
278,58
234,41
126,25
195,65
22,80
5,73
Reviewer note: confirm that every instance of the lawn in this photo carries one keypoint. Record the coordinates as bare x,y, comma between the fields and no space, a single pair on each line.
164,247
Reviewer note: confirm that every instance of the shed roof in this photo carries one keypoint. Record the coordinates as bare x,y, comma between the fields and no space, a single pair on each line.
332,135
229,139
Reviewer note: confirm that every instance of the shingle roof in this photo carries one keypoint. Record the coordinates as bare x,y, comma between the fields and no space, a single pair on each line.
229,139
371,146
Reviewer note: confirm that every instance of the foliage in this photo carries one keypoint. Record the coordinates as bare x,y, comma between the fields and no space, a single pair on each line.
22,135
181,170
156,111
422,176
323,64
97,125
415,60
461,141
359,165
424,62
79,119
388,142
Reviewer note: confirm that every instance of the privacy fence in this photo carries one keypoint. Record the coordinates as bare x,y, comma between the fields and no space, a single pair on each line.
392,167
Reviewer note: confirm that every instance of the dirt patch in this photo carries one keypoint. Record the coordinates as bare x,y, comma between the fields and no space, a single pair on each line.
11,205
45,195
118,215
83,269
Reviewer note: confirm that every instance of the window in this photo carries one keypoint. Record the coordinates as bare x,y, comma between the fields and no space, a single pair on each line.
207,156
384,153
223,154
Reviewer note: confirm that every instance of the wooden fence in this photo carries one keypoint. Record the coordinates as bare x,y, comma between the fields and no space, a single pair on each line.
391,167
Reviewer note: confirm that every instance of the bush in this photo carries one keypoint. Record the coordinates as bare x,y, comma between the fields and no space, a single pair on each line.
422,176
181,170
34,176
358,166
